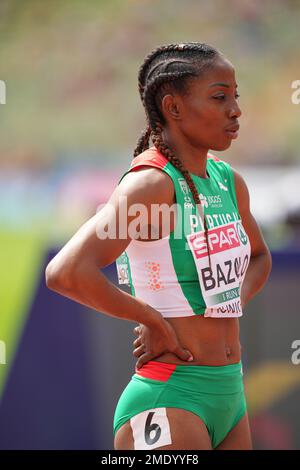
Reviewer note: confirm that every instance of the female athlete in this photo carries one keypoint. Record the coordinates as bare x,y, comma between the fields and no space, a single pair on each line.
185,241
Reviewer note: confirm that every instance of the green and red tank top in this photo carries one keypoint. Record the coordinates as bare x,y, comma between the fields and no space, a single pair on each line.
173,274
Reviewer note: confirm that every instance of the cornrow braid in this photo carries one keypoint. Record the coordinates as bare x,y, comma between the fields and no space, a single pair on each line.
171,65
143,142
180,50
150,58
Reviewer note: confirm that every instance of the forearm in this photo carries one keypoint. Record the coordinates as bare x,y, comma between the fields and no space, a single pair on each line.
89,286
256,276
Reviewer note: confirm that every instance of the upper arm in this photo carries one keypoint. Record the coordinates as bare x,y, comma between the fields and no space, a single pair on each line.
256,239
107,234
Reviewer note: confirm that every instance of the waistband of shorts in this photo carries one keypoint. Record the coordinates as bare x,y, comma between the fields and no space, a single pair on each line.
169,366
228,375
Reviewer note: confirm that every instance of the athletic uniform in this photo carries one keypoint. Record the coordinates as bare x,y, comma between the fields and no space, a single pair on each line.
179,276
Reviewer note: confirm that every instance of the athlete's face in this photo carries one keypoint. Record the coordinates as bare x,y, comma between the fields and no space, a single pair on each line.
208,115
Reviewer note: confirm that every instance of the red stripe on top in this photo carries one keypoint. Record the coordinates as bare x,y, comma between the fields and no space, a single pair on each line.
151,157
156,370
213,157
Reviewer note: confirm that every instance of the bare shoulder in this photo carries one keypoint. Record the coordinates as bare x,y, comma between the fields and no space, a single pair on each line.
147,185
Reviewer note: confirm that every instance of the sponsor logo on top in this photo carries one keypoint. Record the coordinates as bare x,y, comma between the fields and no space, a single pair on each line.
212,201
242,234
185,189
219,239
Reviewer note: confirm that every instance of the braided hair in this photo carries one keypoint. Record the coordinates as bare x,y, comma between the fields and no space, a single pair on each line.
171,67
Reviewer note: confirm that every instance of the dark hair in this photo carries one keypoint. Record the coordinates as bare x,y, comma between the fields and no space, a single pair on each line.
171,67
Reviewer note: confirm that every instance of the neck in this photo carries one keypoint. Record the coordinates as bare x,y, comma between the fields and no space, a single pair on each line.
193,158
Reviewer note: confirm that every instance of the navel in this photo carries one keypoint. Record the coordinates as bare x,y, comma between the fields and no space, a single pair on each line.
227,351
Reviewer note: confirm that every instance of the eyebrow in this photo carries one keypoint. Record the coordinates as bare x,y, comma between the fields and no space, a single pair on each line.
221,84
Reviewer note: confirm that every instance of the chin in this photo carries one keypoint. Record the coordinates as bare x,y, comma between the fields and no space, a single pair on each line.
221,146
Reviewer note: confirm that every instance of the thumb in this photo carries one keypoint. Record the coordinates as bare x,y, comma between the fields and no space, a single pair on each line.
142,360
184,354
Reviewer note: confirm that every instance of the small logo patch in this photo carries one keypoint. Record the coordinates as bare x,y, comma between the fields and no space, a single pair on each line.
221,185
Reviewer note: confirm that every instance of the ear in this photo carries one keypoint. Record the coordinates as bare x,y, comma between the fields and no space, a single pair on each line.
171,108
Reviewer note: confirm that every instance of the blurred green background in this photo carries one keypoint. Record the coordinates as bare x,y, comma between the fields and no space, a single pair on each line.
71,73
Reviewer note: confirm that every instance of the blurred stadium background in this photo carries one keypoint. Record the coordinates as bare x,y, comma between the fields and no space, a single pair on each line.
68,128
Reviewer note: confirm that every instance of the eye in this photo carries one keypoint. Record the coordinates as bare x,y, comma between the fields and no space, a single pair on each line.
223,97
219,97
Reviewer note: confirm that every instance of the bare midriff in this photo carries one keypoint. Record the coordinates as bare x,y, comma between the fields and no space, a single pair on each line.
212,341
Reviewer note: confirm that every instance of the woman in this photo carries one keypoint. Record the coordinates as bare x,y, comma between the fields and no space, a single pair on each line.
190,278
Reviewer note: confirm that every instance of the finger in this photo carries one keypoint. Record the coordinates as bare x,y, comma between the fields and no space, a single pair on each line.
137,342
139,351
136,330
183,354
143,359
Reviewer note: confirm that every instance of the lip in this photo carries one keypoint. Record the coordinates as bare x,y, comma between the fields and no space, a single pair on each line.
233,130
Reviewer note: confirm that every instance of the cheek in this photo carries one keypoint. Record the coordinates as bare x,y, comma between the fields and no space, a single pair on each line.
207,118
208,131
199,122
204,124
208,128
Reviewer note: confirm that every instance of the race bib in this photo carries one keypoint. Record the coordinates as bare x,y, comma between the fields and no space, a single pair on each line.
229,250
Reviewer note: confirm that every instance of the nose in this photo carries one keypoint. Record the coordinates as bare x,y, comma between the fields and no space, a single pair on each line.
235,111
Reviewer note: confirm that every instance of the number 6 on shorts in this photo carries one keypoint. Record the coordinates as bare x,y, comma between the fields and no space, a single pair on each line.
151,429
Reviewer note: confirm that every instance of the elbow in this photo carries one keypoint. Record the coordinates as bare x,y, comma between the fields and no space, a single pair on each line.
52,277
57,278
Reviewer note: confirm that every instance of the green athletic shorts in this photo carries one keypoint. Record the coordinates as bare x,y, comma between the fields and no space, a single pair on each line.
214,393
